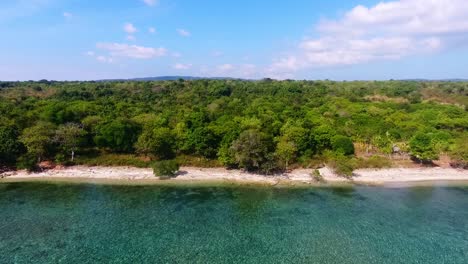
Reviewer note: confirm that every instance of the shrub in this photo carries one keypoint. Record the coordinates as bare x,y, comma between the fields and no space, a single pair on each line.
342,165
113,160
10,147
374,162
27,162
60,158
344,168
165,169
459,154
422,147
317,176
342,144
199,162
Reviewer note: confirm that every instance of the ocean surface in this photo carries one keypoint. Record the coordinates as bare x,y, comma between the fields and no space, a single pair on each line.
84,223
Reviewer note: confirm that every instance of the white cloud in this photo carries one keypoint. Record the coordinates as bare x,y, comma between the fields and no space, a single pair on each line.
152,30
131,51
151,2
403,17
387,31
184,33
347,51
290,63
225,67
129,28
131,38
248,71
181,66
241,71
67,15
89,53
104,59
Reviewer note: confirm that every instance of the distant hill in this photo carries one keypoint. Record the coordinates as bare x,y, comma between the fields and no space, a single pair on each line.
175,78
168,78
172,78
441,80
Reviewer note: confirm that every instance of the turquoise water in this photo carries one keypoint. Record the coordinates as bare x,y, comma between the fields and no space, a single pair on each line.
67,223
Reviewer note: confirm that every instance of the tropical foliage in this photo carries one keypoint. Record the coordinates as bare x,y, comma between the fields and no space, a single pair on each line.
254,125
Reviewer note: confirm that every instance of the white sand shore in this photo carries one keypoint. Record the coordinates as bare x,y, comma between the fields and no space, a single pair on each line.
190,174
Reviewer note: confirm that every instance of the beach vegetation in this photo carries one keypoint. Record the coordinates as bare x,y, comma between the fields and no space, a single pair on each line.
117,135
10,146
317,176
159,142
69,137
374,162
264,126
113,159
165,169
342,144
422,146
38,140
341,164
253,151
27,161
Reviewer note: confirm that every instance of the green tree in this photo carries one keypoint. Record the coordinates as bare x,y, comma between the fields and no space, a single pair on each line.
459,153
119,135
342,144
159,142
207,116
252,150
322,136
69,137
422,147
38,139
300,137
204,142
10,147
226,155
286,151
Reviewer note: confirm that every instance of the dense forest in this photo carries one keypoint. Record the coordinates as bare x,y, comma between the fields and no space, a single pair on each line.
263,126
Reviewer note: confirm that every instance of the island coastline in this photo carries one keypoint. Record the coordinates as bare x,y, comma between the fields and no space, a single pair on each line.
193,176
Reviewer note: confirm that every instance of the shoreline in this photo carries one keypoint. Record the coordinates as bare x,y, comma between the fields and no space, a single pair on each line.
393,177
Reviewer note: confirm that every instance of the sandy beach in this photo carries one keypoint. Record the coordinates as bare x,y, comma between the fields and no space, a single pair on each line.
200,175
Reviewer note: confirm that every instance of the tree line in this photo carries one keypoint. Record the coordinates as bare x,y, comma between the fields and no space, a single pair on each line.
263,126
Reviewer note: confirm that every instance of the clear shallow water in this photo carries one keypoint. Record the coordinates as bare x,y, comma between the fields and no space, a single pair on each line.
52,223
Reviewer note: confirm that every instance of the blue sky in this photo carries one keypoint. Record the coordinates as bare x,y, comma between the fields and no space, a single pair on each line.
300,39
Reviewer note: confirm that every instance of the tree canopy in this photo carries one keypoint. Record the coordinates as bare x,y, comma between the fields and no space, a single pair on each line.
255,125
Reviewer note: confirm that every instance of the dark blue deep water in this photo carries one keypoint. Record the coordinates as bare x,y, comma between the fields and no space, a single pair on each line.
83,223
